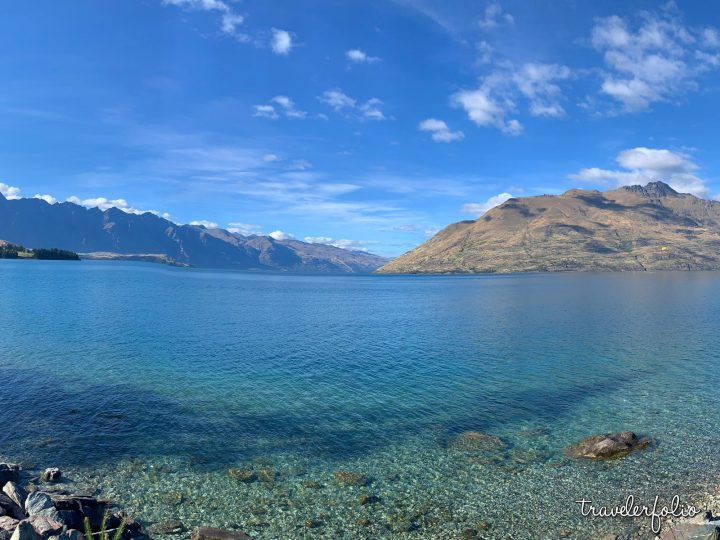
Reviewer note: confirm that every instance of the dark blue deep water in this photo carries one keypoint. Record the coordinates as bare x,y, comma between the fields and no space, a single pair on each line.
149,382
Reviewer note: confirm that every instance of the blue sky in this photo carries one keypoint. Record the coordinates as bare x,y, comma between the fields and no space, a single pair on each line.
363,124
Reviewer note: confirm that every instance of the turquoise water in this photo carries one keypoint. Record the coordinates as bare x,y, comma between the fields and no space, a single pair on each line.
148,383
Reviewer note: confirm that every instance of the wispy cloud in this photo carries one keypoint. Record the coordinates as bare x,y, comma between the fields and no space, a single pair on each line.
354,245
642,165
204,223
229,19
440,131
341,102
277,106
246,229
494,16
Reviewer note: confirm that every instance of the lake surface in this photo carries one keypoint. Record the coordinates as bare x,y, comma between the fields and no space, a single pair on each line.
149,383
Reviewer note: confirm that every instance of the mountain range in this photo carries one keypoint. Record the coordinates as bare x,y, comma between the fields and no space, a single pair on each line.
651,227
114,234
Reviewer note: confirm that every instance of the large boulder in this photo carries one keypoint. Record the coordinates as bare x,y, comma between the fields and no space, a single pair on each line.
89,507
37,501
45,526
25,531
208,533
10,508
607,446
8,524
16,493
9,473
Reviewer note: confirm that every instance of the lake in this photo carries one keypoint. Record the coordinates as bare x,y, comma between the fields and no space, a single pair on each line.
149,383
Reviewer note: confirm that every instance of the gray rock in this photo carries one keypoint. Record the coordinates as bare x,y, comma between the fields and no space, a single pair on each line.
25,531
37,501
73,534
16,493
691,531
172,526
45,526
607,446
9,473
208,533
52,474
5,535
10,508
7,523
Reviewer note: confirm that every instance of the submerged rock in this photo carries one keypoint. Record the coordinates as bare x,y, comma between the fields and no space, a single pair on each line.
691,531
607,446
208,533
172,526
52,474
266,475
348,478
368,499
243,475
477,440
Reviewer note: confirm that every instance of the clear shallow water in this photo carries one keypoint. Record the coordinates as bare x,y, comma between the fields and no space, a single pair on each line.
149,382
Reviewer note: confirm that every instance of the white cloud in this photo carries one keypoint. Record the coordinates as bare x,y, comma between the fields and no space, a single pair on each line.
204,223
47,198
288,107
657,61
281,42
270,158
266,111
478,209
536,82
246,229
343,243
358,56
440,130
229,19
494,16
341,102
280,105
280,235
121,204
9,192
642,165
485,111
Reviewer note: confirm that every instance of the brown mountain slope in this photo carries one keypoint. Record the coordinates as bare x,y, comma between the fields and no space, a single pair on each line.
630,228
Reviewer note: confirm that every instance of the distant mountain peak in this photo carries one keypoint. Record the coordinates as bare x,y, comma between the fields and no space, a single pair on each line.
652,189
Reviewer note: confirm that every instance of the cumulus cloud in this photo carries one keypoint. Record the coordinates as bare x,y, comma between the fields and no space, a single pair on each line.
279,105
341,102
229,19
280,235
104,203
281,42
642,165
47,198
478,209
657,60
483,109
537,82
204,223
358,56
9,192
494,17
246,229
440,131
343,243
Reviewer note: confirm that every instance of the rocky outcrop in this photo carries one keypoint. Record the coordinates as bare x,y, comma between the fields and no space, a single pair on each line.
607,446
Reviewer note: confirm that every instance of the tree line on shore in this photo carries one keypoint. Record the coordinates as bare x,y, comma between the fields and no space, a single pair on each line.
14,251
